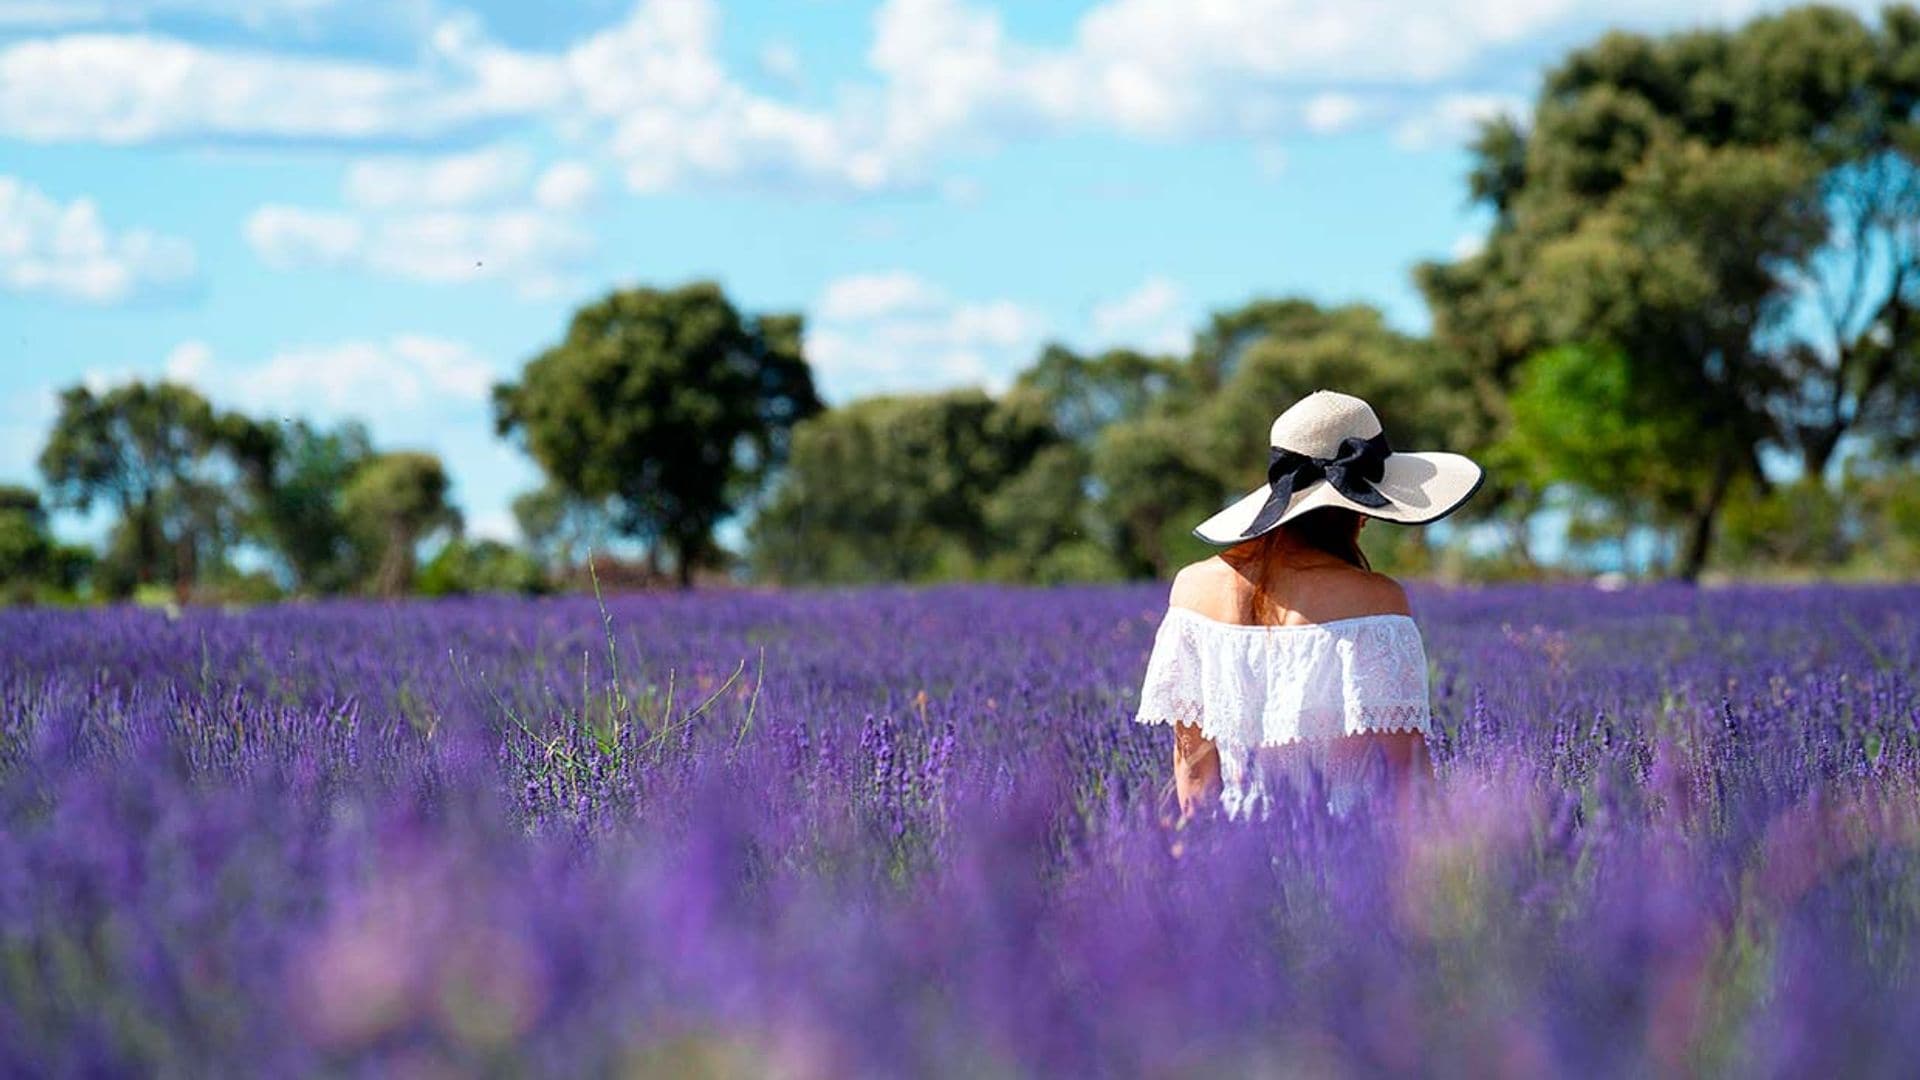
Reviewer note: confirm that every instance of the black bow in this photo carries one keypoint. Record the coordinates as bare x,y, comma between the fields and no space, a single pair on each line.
1352,471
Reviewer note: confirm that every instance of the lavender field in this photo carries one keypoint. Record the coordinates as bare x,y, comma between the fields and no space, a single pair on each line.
894,833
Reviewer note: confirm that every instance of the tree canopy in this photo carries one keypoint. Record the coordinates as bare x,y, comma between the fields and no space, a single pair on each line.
397,500
670,405
1734,212
159,454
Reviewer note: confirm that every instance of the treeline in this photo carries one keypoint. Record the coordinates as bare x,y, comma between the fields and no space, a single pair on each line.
212,504
1692,333
1089,467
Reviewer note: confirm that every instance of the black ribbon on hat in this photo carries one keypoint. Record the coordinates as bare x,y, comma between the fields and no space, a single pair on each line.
1353,470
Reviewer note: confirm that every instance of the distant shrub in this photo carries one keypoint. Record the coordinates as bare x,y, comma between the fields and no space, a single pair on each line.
484,566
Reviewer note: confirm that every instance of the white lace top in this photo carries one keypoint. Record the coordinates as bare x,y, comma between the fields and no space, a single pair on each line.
1254,690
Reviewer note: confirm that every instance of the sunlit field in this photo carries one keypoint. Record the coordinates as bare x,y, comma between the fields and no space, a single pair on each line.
891,833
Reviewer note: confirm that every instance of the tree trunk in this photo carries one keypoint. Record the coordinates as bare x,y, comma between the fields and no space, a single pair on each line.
1700,529
396,565
683,559
185,569
146,543
1819,451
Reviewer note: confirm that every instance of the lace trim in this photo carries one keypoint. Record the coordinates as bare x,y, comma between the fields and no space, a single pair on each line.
1294,683
1408,719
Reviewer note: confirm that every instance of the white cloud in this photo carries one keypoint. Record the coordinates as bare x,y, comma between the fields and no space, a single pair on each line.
66,250
286,237
189,362
861,297
566,185
133,88
45,14
1330,112
653,95
654,90
892,331
1152,317
399,374
530,249
1450,119
481,176
463,217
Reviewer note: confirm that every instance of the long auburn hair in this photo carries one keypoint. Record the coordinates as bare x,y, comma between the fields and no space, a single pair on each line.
1332,529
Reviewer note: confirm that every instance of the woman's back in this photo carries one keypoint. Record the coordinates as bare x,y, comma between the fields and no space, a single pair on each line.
1282,660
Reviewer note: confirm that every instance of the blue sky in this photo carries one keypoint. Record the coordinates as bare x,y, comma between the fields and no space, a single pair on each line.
334,208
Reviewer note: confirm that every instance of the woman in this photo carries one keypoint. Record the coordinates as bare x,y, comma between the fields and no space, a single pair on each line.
1285,654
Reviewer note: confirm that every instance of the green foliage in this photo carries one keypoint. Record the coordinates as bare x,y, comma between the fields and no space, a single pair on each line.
1154,486
1868,525
158,454
299,476
1732,210
670,405
26,547
486,566
897,488
1581,417
33,565
1090,467
1085,394
396,501
562,530
1805,523
1037,510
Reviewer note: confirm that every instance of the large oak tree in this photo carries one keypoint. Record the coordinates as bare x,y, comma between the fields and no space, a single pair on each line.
670,405
1732,214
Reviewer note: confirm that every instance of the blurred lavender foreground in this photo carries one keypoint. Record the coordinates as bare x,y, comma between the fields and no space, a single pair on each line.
913,833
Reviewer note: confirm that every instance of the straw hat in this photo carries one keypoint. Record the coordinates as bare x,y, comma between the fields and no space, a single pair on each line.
1329,450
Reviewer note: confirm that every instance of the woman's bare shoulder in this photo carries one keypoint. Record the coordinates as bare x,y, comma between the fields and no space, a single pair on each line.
1382,593
1195,584
1213,587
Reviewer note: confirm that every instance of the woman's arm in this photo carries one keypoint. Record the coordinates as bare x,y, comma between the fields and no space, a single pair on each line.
1409,768
1196,768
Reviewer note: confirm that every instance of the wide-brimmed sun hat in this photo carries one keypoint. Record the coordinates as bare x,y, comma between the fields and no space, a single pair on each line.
1329,450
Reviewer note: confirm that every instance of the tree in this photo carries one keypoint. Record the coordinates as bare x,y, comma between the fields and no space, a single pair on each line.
32,561
1084,394
26,547
561,529
668,403
1152,489
298,477
897,488
484,566
1737,213
156,453
396,501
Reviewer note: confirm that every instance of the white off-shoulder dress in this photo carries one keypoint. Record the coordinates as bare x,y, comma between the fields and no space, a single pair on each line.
1271,696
